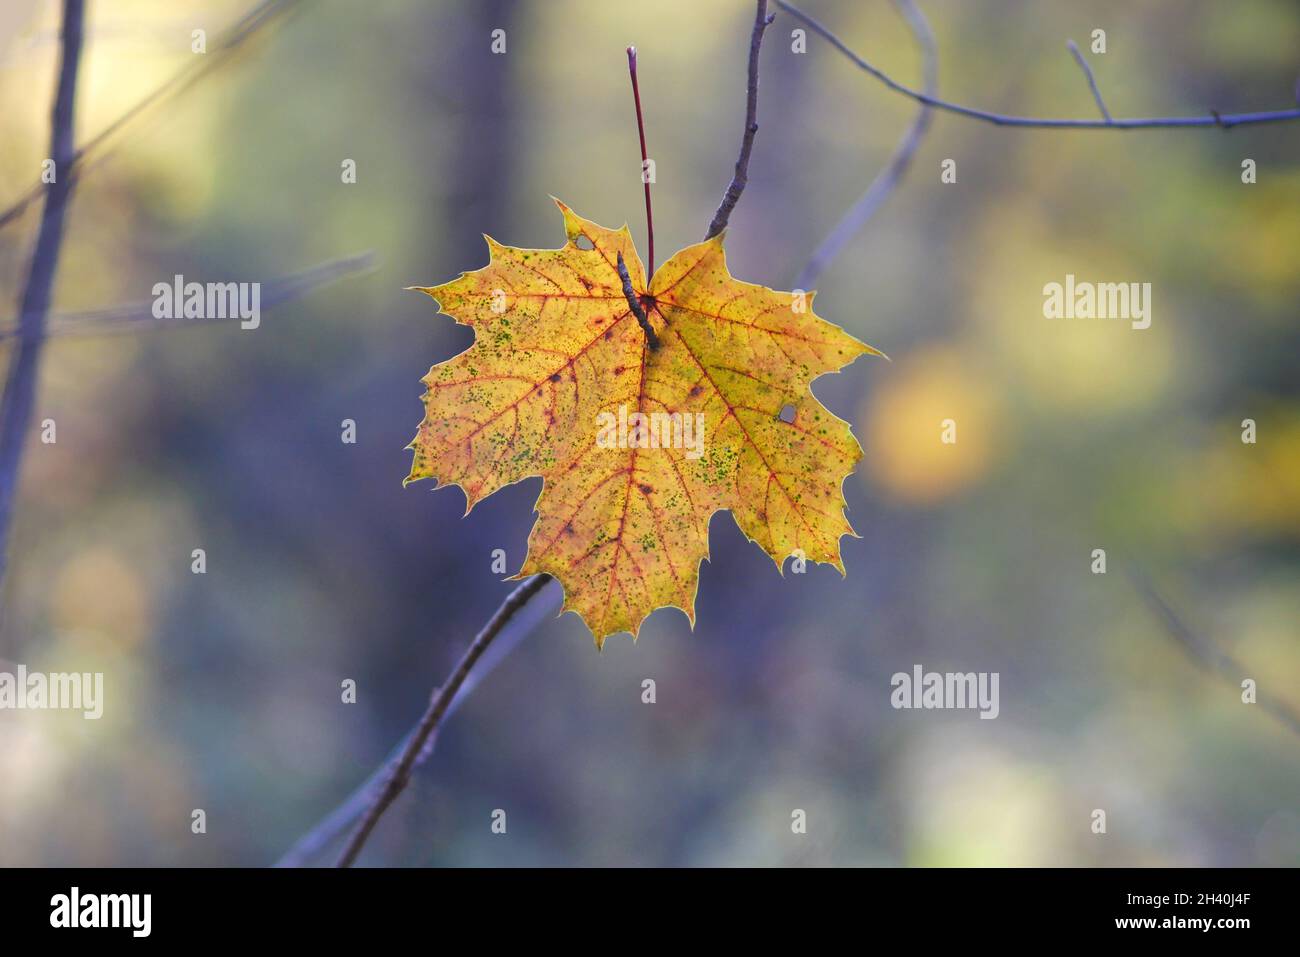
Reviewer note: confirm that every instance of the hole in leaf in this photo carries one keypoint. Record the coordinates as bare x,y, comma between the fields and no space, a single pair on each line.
787,413
582,242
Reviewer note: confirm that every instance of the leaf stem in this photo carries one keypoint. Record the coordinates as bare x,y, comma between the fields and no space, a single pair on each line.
645,159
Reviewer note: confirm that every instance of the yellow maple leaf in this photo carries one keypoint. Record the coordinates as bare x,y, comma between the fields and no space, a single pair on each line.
639,434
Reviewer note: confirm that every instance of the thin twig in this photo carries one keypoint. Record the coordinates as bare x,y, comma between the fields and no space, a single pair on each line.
1206,655
24,366
1092,80
889,177
1226,120
737,185
195,69
438,706
634,303
335,824
139,317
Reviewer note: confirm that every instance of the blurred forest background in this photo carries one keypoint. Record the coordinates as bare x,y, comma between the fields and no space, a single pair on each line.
223,689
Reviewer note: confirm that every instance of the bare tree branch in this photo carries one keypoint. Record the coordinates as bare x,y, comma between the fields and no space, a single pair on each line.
24,366
139,317
1205,655
1225,120
332,826
737,185
195,69
1092,80
888,178
400,774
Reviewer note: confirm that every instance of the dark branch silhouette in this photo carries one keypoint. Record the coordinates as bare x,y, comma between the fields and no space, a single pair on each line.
315,842
737,185
1224,120
400,773
24,366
